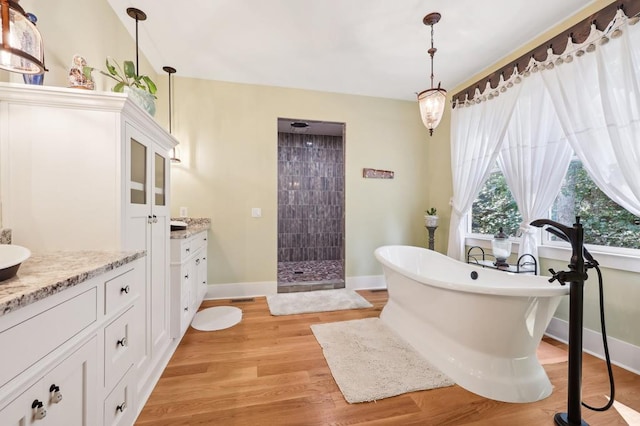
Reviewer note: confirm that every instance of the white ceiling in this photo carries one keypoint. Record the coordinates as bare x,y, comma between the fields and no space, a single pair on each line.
365,47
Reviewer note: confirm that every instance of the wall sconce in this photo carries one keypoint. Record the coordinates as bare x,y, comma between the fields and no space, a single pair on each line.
432,101
21,48
175,153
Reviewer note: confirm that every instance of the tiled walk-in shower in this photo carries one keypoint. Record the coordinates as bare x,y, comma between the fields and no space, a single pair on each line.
310,212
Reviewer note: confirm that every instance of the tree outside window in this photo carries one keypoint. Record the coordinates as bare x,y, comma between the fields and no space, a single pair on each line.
605,222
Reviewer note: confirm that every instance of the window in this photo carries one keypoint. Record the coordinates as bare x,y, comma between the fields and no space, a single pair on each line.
495,208
605,222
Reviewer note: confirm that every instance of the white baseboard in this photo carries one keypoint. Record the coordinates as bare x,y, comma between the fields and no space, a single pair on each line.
265,288
237,290
366,282
623,354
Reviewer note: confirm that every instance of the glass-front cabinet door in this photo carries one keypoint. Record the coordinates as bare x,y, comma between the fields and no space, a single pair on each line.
147,174
138,172
160,179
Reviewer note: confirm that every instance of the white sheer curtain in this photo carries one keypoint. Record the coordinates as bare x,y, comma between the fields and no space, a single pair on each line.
597,97
476,134
534,158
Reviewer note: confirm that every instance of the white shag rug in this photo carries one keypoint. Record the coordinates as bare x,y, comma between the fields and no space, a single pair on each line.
315,301
369,361
216,318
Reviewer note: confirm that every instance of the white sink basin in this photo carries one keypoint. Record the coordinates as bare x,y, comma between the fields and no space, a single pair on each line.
11,256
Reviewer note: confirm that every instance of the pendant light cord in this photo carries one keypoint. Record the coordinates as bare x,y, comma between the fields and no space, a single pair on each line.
137,65
169,103
432,52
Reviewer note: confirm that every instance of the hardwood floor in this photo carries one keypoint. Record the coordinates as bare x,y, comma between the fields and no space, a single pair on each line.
270,371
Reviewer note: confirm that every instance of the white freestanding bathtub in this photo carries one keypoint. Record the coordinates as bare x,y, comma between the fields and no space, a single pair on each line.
482,332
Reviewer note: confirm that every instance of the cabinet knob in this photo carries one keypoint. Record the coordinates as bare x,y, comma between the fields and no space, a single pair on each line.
122,342
197,261
155,219
40,412
204,258
122,407
125,289
56,395
186,276
149,219
205,238
188,250
186,308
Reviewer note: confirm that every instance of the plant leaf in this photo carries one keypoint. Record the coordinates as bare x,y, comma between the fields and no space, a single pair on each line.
129,69
119,87
111,68
150,85
86,70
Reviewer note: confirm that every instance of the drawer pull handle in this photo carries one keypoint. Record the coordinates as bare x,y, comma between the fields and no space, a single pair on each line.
122,407
57,395
40,412
125,289
122,342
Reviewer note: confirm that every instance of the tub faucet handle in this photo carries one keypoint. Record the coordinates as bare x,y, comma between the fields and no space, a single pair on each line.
560,276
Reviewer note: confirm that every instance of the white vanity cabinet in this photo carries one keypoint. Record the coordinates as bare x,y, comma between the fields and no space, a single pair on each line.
84,170
65,355
66,395
188,279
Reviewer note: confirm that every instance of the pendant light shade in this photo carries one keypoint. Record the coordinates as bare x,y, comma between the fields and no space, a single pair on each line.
21,48
432,101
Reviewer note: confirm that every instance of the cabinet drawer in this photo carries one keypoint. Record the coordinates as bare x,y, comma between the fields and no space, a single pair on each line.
27,342
121,291
198,241
119,405
180,250
121,347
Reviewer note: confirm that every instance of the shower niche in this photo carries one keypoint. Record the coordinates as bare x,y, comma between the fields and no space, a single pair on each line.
311,200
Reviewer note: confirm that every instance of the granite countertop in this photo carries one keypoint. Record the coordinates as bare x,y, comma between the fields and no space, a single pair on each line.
194,225
43,275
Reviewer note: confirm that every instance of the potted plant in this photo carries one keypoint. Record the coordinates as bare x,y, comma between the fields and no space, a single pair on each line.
430,217
140,87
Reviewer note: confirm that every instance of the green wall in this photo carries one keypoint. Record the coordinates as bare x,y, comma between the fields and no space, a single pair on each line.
229,147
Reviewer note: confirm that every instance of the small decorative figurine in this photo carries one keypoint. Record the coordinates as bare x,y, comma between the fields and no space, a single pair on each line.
80,74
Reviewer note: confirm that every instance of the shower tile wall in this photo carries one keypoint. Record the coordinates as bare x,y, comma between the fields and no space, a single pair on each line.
310,197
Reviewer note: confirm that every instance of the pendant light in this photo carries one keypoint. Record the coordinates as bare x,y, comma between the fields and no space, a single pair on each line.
21,47
175,155
138,15
432,101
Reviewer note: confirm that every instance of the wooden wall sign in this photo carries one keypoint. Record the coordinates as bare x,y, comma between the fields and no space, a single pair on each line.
377,174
